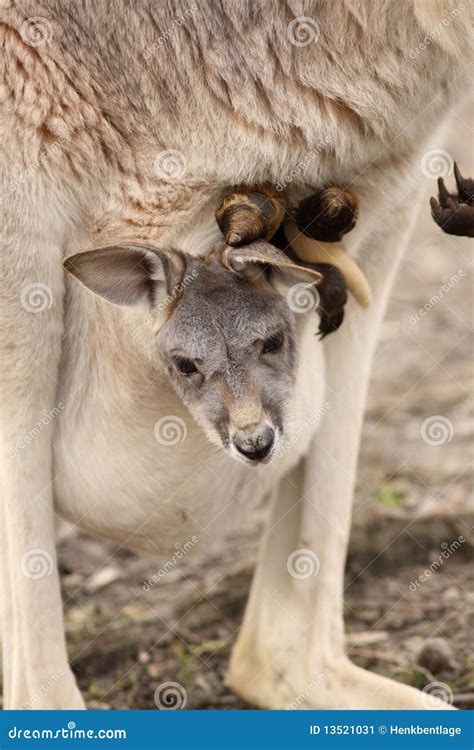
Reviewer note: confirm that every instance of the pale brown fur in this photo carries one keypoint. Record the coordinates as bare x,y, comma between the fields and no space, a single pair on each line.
84,117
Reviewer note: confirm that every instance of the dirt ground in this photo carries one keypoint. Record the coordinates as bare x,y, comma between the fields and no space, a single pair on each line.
413,502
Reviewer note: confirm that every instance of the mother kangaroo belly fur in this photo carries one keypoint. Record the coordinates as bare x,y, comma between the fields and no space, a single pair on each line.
335,111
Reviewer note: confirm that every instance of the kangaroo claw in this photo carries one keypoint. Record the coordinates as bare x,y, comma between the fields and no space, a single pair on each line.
464,185
454,213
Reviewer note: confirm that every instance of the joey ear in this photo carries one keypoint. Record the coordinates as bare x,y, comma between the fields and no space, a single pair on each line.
252,260
128,274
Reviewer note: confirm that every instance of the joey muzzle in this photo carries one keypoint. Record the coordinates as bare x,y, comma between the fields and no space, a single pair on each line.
257,445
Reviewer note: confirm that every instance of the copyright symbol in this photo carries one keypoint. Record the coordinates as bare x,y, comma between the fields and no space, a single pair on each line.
382,729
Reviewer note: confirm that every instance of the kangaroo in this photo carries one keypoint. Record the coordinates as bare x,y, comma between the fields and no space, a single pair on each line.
228,346
124,127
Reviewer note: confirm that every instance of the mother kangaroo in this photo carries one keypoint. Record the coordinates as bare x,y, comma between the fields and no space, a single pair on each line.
125,123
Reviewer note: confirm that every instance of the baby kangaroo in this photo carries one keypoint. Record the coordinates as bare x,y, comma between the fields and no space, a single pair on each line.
222,326
221,329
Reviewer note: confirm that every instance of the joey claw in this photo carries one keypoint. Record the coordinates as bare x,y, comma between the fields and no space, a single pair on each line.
455,219
455,213
436,210
457,176
451,204
442,192
464,185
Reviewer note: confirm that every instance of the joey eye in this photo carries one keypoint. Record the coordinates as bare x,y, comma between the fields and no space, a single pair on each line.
185,366
273,343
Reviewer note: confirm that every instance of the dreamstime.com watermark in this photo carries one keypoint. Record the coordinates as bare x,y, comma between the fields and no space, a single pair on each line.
437,297
170,165
288,443
170,696
176,557
303,563
302,31
177,291
179,19
45,153
300,168
44,688
170,430
436,163
437,430
304,697
445,554
302,298
36,31
71,732
448,16
36,298
435,692
36,564
45,420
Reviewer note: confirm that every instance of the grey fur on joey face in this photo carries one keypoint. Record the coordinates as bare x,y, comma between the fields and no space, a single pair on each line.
227,337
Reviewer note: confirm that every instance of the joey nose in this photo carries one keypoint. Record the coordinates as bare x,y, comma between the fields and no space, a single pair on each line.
257,445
